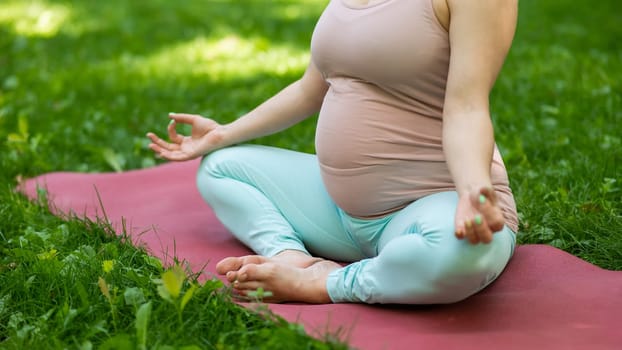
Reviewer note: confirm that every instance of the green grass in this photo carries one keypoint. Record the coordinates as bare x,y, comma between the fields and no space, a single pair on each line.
74,284
558,118
82,81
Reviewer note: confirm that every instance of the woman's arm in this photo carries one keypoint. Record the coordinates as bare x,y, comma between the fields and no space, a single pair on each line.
290,106
480,34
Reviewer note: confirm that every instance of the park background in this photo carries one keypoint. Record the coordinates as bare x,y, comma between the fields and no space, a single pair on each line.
81,82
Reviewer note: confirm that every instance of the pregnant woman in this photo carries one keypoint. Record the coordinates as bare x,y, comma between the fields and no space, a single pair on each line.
407,187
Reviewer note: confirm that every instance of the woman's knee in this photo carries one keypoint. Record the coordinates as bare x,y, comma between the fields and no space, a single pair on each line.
213,167
218,163
447,273
472,268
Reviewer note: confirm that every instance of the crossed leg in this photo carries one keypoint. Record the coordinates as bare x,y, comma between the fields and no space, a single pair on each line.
274,201
279,213
413,266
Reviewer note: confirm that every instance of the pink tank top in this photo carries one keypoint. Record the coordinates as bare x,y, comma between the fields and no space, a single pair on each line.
378,137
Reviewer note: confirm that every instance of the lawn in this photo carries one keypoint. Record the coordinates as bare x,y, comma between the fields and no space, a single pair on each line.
82,81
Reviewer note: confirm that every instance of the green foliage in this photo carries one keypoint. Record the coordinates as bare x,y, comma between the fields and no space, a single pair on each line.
72,283
85,85
558,117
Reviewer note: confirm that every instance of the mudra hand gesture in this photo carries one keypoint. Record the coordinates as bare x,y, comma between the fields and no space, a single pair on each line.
203,138
478,216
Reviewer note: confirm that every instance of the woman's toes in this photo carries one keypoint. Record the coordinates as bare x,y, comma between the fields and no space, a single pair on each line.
256,272
242,287
228,264
235,263
252,277
231,276
254,259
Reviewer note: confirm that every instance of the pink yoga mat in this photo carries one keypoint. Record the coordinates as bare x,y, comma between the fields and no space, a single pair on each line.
546,299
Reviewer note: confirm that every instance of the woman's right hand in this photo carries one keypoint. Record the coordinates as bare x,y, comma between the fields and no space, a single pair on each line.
206,136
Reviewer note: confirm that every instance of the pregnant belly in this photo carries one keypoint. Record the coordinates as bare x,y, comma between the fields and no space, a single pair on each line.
380,189
376,157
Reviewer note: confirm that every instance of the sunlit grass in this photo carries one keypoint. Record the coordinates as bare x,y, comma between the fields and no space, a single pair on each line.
34,18
558,121
156,57
218,59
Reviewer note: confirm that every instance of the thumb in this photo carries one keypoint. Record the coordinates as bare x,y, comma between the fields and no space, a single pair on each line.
485,195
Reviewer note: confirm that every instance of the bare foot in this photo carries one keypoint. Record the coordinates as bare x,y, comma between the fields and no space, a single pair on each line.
291,275
230,266
284,281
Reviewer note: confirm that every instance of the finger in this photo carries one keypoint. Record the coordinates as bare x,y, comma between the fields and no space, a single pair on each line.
489,193
153,137
485,201
482,198
161,143
460,234
183,118
172,133
481,230
469,232
176,156
166,154
156,149
157,141
163,153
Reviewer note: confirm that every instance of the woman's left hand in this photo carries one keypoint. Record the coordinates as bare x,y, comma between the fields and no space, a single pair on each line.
478,216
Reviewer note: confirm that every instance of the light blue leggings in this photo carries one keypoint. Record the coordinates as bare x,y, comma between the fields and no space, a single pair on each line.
274,199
